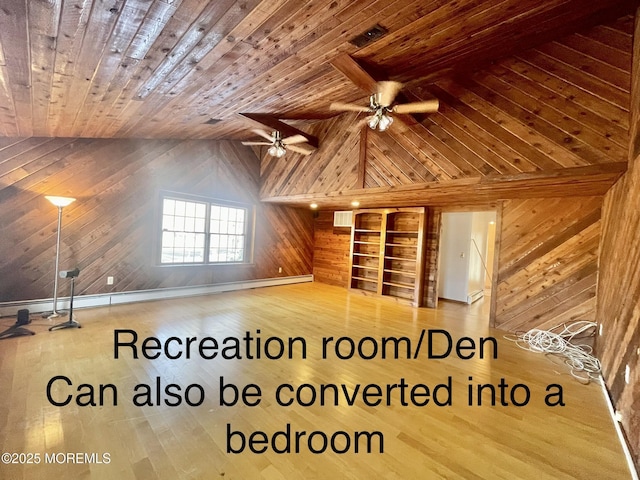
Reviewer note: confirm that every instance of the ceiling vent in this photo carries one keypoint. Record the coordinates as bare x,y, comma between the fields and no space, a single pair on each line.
371,35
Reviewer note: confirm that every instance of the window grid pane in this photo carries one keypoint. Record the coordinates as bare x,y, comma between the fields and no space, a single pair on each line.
184,233
227,238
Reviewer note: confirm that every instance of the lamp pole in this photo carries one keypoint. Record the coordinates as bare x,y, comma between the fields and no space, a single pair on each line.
59,202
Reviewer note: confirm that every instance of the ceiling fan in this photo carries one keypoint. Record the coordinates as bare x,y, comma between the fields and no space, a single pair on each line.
381,106
278,146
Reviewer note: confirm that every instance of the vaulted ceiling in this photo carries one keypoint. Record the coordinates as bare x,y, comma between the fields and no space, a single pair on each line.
187,68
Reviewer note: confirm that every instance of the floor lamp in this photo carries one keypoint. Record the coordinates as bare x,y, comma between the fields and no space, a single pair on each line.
59,202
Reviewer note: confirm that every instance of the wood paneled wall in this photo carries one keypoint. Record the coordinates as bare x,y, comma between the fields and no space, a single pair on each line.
562,106
548,262
618,304
432,257
331,251
111,228
619,301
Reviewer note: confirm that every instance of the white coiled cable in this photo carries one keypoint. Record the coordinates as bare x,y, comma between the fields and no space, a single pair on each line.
557,341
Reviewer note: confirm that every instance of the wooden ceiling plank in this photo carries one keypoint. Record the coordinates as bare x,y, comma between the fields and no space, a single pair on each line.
554,123
595,110
414,143
492,149
387,170
113,64
44,18
195,34
156,42
603,52
474,143
87,50
524,126
444,19
514,37
331,36
221,33
270,52
616,77
315,80
484,114
238,42
572,74
278,54
612,37
599,132
196,90
14,37
387,144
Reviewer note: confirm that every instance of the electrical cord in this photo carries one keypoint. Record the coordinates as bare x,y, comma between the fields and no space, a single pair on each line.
583,365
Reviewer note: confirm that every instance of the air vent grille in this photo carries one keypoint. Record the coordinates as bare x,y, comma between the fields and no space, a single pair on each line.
342,219
374,33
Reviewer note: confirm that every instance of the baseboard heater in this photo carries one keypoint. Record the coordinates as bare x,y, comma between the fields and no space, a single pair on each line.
9,309
474,296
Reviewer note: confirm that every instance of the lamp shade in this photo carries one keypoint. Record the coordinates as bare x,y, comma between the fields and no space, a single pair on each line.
60,201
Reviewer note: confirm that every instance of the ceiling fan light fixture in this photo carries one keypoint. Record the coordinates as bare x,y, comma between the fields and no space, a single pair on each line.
280,151
384,122
373,121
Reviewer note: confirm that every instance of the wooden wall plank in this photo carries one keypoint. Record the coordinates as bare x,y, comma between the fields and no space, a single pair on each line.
330,251
547,266
432,257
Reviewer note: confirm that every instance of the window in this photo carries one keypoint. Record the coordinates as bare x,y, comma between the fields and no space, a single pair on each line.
202,231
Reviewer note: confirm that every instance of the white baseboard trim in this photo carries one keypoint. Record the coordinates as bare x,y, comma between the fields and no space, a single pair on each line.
623,440
105,299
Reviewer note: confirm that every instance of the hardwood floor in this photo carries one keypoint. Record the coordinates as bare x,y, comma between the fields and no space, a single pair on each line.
444,438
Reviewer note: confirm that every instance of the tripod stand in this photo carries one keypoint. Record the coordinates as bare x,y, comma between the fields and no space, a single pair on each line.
71,323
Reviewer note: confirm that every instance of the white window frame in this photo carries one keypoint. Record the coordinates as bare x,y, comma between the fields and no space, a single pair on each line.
189,235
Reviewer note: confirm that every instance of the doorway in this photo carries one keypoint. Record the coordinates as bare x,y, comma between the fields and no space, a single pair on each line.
467,250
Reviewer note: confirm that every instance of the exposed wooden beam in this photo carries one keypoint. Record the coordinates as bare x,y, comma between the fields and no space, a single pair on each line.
351,69
362,164
271,122
585,181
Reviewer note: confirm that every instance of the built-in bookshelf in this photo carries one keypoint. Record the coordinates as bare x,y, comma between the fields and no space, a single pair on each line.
387,253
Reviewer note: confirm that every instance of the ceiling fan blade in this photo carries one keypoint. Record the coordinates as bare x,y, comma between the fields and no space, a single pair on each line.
256,143
347,107
357,126
428,106
263,134
299,149
294,139
387,92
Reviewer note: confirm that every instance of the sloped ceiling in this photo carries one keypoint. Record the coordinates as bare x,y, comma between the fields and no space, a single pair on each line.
173,68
